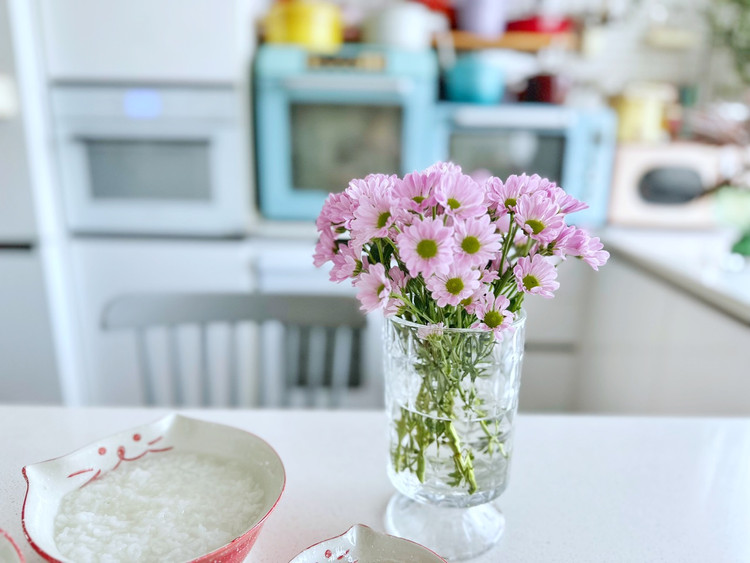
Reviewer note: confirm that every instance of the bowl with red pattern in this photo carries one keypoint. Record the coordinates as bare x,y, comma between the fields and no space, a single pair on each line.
9,551
178,489
361,544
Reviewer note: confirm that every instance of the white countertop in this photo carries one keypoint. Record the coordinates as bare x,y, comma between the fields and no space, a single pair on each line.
695,261
582,488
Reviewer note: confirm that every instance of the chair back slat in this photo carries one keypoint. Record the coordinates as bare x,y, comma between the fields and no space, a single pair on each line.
293,340
338,364
319,351
144,366
233,367
175,367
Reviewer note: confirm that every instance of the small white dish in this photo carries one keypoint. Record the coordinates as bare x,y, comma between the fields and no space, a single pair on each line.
49,481
361,544
9,551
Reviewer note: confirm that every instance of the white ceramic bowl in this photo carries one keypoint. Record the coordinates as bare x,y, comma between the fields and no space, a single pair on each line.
47,482
364,545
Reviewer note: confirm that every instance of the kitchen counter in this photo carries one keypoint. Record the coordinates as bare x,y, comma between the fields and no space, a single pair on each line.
696,262
582,488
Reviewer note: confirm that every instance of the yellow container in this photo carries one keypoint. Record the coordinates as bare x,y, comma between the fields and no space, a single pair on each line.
641,111
317,26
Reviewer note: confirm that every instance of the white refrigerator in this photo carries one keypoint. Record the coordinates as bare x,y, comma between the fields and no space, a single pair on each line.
28,373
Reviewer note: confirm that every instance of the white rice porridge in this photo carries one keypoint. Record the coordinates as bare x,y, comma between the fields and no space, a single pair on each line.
166,507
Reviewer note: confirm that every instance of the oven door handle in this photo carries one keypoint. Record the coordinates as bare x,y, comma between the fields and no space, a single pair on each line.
515,118
347,84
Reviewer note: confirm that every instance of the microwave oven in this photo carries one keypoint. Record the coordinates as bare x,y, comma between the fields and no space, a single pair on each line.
573,147
151,161
663,184
321,120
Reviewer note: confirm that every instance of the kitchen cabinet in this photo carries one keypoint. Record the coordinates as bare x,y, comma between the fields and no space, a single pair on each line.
650,348
141,40
553,334
28,373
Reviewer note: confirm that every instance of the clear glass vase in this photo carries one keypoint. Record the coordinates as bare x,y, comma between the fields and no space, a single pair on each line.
451,398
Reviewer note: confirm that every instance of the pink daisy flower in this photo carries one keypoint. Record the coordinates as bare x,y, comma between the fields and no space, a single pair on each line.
434,329
417,190
426,247
338,210
347,262
503,196
471,303
374,288
443,168
374,215
493,314
460,196
477,241
325,249
453,287
566,202
570,241
502,225
576,242
594,254
372,219
537,216
536,275
398,284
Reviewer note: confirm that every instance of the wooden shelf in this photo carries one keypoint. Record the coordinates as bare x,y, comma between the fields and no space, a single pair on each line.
518,40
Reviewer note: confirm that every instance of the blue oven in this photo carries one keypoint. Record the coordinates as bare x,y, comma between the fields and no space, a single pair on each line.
574,147
322,120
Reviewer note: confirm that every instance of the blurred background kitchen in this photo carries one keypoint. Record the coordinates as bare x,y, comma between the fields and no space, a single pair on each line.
188,145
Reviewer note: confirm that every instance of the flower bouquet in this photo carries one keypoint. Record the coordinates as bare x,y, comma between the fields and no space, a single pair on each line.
449,261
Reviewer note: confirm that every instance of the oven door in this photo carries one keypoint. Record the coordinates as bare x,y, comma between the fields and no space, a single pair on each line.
169,174
570,147
316,133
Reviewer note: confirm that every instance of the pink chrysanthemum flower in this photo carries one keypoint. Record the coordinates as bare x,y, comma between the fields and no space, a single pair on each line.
594,254
326,248
433,329
503,196
373,218
398,284
375,213
426,247
536,275
490,274
537,216
576,242
347,262
443,168
570,241
416,189
338,211
477,241
493,314
360,189
374,288
566,202
453,287
472,301
460,196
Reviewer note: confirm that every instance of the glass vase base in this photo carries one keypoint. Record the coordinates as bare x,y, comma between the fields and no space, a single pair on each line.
455,534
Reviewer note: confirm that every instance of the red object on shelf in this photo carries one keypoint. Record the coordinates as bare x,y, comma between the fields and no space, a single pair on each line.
542,24
441,6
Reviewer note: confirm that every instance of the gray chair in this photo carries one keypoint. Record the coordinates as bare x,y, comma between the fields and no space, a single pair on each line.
320,339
